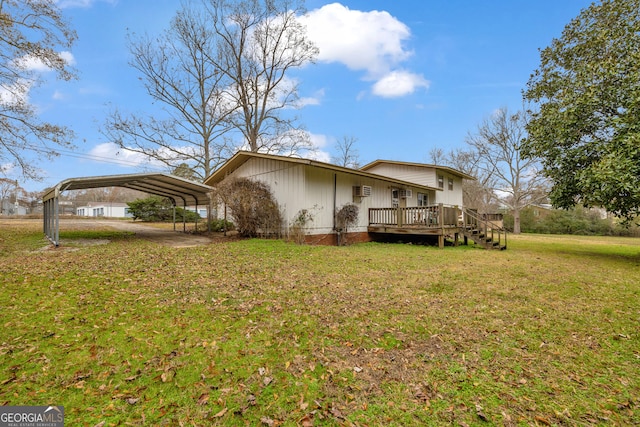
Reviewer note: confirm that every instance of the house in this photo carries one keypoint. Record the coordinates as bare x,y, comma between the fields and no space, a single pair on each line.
446,181
392,197
8,207
104,209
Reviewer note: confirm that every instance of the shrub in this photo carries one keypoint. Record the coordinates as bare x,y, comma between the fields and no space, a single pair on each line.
346,216
159,209
574,221
297,229
218,225
252,207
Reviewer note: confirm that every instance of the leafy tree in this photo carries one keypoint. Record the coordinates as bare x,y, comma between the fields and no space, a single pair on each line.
498,147
587,130
183,170
158,209
31,34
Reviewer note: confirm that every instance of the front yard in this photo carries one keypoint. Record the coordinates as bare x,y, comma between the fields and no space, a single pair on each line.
260,332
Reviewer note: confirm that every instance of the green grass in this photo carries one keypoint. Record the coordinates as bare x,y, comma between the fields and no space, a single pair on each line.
260,332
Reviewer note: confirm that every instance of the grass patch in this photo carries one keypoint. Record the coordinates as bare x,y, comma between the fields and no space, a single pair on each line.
260,332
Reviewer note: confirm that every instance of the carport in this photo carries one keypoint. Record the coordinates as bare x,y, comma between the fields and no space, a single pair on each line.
173,187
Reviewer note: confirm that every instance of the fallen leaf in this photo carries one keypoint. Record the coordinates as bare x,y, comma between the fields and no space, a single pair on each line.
480,413
221,413
203,399
543,420
267,380
133,400
266,421
306,421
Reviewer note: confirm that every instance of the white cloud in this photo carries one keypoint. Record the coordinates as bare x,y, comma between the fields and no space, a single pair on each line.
17,93
372,42
399,83
108,152
315,99
68,57
7,168
30,63
111,153
319,142
58,96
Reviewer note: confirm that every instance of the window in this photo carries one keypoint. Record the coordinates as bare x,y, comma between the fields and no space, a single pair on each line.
423,199
451,184
440,181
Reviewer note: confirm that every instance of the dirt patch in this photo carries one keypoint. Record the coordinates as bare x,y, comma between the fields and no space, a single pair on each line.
176,239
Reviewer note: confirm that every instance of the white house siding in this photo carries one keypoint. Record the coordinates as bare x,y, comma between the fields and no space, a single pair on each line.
109,210
319,198
420,175
285,179
424,175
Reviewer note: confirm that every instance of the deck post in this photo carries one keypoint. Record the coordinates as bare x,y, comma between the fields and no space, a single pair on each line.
400,222
441,241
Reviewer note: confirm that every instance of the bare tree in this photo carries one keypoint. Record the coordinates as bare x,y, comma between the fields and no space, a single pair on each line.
498,143
478,193
219,71
437,156
346,153
7,188
32,32
259,43
177,72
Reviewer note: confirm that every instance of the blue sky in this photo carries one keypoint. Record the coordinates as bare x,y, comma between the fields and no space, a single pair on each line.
403,77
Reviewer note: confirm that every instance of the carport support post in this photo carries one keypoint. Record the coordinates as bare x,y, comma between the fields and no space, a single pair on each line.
184,216
57,220
174,217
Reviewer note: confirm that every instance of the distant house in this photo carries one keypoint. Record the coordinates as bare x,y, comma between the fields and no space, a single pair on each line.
8,207
104,209
393,197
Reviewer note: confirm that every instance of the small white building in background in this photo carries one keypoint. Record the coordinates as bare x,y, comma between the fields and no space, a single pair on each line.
104,209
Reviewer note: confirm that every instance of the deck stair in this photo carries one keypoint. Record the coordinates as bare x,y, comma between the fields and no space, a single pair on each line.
483,232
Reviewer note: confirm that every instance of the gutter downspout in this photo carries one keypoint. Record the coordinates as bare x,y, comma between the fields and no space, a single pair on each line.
335,196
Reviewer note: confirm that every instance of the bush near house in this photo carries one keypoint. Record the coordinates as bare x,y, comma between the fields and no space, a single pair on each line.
159,209
252,207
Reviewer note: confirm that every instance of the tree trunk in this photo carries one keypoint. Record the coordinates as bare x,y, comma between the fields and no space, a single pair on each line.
516,221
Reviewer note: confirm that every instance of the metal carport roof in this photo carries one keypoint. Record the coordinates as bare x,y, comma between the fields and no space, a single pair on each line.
173,187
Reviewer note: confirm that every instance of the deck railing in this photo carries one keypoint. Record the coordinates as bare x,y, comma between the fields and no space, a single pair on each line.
432,216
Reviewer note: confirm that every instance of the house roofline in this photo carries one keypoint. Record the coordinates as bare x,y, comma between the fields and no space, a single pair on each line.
241,157
425,165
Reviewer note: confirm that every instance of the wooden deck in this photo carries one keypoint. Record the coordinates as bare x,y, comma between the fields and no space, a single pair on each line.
437,220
